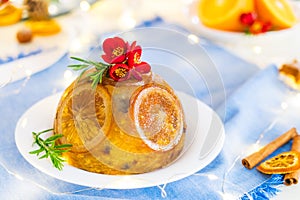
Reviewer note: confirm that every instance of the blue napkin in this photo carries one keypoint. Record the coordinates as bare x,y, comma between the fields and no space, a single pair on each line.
258,112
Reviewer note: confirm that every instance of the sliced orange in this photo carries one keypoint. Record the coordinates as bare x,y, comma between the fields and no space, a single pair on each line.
158,116
83,116
224,14
9,14
43,27
283,163
278,12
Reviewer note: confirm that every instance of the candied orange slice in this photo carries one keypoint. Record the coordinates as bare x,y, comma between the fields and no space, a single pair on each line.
224,15
83,116
283,163
158,116
278,12
43,27
9,14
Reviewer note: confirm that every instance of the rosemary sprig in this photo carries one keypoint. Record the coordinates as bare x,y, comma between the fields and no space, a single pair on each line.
50,149
96,76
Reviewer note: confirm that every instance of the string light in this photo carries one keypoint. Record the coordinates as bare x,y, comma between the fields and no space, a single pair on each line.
85,6
193,39
257,49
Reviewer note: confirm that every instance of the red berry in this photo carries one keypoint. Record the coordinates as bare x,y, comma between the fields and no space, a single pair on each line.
266,27
248,18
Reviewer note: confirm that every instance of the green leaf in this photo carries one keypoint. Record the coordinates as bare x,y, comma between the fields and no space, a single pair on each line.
96,76
78,67
50,149
38,151
62,146
44,156
53,137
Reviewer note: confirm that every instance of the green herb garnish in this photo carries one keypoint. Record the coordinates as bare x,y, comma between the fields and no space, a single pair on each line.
50,149
96,76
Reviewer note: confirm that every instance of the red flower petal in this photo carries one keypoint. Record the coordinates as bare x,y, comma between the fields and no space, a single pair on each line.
134,56
136,74
115,50
143,68
119,72
133,46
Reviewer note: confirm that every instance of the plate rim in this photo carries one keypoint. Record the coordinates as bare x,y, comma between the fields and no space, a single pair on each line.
115,178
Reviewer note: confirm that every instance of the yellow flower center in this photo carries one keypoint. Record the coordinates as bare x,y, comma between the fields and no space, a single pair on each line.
120,72
137,58
118,51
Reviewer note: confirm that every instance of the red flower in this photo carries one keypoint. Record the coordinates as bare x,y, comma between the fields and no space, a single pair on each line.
137,67
124,59
115,50
134,56
119,72
248,18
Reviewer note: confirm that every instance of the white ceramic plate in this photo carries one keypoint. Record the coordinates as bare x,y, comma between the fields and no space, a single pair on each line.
18,61
204,141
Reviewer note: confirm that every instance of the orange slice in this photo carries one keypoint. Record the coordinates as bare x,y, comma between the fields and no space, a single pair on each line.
224,14
83,116
157,115
9,14
278,12
43,27
283,163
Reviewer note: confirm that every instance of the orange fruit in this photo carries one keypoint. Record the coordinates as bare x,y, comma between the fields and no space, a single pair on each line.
224,14
10,15
43,27
278,12
283,163
157,115
83,116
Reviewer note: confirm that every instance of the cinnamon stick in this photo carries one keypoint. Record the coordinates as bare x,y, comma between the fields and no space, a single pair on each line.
292,178
255,158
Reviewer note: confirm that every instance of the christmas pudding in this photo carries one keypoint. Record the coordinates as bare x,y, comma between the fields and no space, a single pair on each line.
119,117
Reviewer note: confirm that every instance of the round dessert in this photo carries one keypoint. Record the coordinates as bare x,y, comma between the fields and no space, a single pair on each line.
129,121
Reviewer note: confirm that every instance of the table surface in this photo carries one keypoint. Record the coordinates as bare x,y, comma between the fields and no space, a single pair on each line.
105,17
